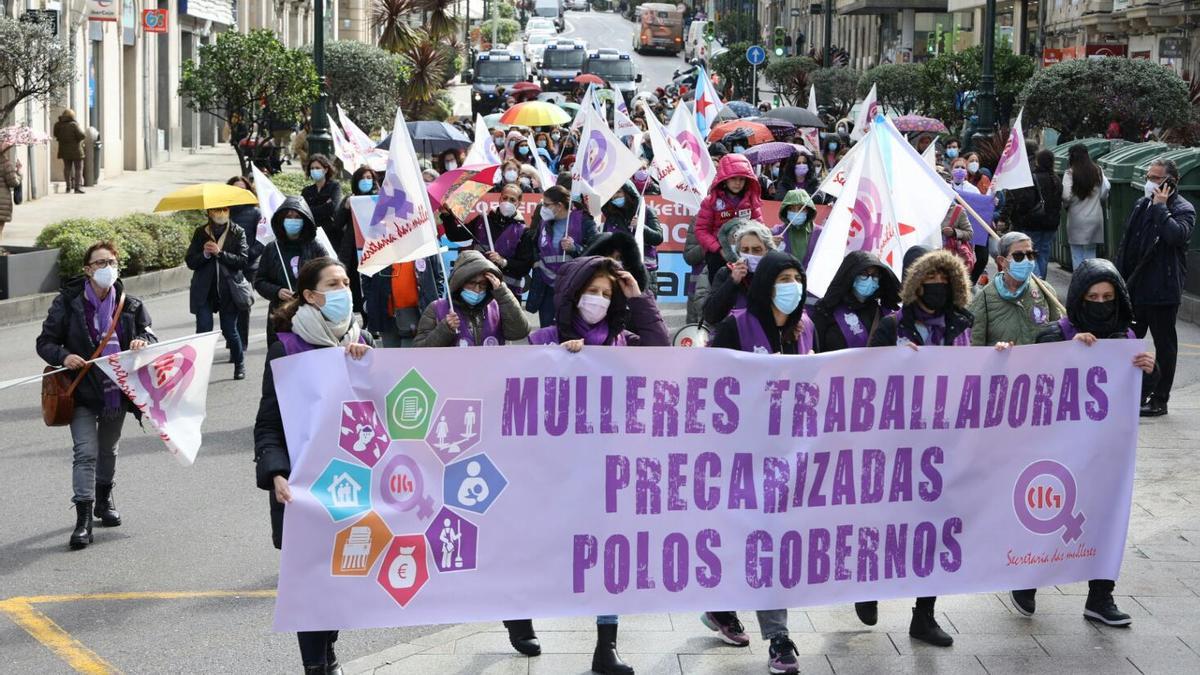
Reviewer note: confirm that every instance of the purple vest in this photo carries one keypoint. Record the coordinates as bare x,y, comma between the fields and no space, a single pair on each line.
551,257
491,333
936,335
1069,332
853,330
294,344
754,339
549,336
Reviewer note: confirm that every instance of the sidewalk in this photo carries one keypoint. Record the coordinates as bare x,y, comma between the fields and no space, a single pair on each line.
131,191
1159,585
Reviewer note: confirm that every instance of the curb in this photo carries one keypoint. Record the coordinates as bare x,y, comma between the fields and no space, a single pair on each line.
34,307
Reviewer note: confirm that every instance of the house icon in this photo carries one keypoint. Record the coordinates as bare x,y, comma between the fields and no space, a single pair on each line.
343,491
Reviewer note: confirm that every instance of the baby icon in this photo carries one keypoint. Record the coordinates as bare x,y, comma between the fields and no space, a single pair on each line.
473,490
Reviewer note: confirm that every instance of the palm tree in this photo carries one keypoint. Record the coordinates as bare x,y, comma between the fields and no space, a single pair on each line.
428,72
388,17
441,23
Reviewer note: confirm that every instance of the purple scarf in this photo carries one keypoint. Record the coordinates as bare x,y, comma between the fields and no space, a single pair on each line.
99,316
592,335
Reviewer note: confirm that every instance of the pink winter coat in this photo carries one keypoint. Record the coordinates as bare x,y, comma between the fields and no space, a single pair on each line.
720,205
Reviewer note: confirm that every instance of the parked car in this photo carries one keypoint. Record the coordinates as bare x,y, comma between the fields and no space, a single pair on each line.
535,45
579,5
539,24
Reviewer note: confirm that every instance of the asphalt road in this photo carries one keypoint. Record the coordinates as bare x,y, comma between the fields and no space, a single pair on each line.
606,29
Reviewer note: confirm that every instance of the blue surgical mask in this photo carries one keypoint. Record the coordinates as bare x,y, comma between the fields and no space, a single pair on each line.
523,150
833,146
366,185
293,226
541,144
865,286
797,217
952,152
1020,270
316,174
787,296
472,298
618,202
774,172
739,148
337,305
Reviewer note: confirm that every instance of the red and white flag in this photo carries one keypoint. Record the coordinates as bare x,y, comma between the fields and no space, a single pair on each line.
372,156
1012,171
343,148
168,382
483,149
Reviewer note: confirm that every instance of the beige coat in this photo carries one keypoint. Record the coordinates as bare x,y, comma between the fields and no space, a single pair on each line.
9,178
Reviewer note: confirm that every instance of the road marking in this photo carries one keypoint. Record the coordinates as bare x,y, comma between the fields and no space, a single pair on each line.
41,628
81,659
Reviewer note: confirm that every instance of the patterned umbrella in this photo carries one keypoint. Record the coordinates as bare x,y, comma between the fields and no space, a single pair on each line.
769,153
742,108
909,123
21,135
780,129
757,133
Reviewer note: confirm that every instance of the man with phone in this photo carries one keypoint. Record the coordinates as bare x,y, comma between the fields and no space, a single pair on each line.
1153,260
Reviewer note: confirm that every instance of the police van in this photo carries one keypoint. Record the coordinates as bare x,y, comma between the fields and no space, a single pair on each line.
615,67
497,68
561,62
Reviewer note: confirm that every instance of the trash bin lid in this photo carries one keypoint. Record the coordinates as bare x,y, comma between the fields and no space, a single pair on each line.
1188,161
1119,164
1096,147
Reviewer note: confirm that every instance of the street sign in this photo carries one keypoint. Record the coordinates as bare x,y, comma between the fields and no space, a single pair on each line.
154,20
795,12
756,55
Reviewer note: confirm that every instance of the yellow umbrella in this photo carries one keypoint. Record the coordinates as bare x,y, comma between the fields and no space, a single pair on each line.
203,196
535,114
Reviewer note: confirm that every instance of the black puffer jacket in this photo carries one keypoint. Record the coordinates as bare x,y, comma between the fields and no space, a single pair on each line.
1153,253
1089,273
622,243
65,332
759,305
225,269
841,293
273,274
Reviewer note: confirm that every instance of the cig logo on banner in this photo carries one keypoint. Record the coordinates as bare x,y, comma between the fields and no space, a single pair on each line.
1044,500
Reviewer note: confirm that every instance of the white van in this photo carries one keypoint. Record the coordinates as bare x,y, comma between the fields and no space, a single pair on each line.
550,9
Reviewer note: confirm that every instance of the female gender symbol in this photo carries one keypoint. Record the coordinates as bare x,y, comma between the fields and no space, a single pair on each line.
1027,496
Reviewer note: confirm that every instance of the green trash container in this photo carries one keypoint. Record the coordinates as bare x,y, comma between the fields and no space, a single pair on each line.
1097,148
1188,161
1119,167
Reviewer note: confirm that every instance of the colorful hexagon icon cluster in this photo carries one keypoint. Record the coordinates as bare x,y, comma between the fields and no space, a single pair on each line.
357,547
409,407
455,429
454,541
344,489
402,486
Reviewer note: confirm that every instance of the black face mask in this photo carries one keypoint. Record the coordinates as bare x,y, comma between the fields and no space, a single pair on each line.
1100,313
935,296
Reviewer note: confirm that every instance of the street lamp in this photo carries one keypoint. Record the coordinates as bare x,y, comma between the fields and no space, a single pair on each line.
985,100
319,140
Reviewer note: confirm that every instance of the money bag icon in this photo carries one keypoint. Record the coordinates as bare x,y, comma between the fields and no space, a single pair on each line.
403,572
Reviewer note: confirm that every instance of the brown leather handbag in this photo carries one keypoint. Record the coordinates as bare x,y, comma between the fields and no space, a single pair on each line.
58,390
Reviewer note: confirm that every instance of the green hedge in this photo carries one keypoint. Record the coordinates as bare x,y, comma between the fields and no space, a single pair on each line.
291,183
147,241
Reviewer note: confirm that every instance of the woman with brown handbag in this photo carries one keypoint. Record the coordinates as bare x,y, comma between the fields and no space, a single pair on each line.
92,318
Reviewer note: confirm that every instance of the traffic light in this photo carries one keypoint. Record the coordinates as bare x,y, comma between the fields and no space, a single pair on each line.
708,31
780,49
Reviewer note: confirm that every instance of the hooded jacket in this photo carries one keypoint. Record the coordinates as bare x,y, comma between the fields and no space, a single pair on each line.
958,319
1089,273
759,304
273,275
796,237
70,137
638,319
623,243
621,219
721,205
841,294
434,333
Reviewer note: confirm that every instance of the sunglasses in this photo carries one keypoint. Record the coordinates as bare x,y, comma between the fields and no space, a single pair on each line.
1019,256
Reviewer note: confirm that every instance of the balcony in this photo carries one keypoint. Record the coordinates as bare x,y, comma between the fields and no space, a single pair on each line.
889,6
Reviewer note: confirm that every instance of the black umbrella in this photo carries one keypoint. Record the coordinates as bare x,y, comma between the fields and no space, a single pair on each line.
432,138
801,117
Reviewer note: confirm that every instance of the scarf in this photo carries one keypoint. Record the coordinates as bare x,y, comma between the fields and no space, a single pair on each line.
313,328
220,238
1006,294
933,322
592,335
99,315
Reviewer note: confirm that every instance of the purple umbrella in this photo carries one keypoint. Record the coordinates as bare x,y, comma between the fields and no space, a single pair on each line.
910,123
769,153
780,129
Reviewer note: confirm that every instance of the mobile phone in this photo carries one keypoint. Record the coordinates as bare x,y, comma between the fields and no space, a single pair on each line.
1171,185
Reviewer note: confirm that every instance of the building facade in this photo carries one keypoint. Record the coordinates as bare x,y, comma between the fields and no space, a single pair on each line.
127,74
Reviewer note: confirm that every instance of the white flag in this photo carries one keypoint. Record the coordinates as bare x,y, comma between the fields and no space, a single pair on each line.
839,175
812,100
168,382
372,156
483,149
865,116
920,197
674,181
602,162
696,161
402,226
588,102
344,149
930,155
624,127
269,199
545,175
1012,172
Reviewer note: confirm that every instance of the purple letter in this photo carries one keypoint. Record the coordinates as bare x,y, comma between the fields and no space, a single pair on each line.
649,493
902,476
891,416
997,397
1097,409
708,575
695,404
775,405
616,477
726,421
775,485
643,561
585,559
708,465
862,411
835,407
582,425
557,400
790,559
952,556
675,562
665,411
616,564
1068,397
606,405
968,403
931,488
894,551
804,410
818,556
924,543
1043,403
874,463
520,407
843,479
676,480
1018,401
868,554
759,568
741,482
634,403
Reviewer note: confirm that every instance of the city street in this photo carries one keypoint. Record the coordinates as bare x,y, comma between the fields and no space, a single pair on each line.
187,583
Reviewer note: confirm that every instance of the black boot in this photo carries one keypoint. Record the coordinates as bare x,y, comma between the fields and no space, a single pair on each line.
106,508
82,534
868,612
606,660
332,667
522,637
314,670
926,629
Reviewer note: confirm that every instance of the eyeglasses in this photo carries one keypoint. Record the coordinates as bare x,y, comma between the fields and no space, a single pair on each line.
476,285
870,273
98,264
1019,256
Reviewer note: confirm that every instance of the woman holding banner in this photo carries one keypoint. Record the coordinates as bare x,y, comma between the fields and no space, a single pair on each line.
92,318
481,310
773,322
862,292
559,234
318,315
1098,308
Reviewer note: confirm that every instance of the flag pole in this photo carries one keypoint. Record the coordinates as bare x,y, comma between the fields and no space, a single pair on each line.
487,227
963,203
34,378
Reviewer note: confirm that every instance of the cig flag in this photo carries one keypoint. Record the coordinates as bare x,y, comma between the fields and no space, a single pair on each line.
865,116
168,382
695,160
676,183
602,163
483,149
1012,172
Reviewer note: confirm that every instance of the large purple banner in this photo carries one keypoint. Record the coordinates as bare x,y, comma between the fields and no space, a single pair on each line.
450,485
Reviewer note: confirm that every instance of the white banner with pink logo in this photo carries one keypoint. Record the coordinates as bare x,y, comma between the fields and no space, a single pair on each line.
168,382
451,485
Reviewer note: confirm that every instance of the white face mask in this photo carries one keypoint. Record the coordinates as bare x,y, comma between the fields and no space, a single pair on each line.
451,165
547,214
973,167
1150,187
508,209
510,176
105,277
592,308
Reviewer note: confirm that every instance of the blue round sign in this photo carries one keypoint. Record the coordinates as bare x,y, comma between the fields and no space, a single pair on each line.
755,54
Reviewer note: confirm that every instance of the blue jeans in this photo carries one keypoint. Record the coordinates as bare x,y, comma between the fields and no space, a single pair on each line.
1081,252
229,318
1043,243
